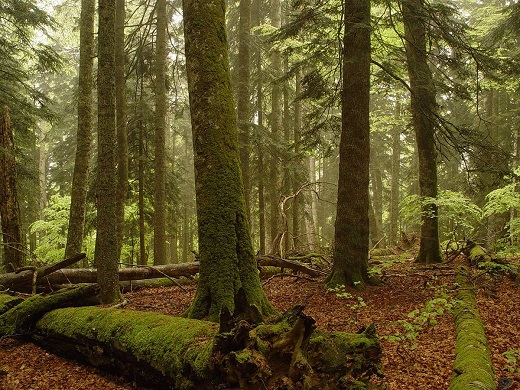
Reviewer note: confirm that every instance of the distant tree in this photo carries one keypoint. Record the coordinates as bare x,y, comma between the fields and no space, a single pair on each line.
105,256
84,131
160,136
9,208
228,271
424,111
351,237
121,119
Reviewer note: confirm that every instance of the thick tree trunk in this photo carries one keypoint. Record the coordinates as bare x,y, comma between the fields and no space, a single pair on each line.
227,263
105,256
9,208
352,226
170,352
78,201
424,108
472,367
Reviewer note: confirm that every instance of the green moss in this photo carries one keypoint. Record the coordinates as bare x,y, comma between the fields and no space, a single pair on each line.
168,344
7,302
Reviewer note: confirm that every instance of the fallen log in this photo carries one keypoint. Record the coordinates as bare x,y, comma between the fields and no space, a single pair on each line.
274,261
472,368
89,275
25,277
7,302
170,352
20,319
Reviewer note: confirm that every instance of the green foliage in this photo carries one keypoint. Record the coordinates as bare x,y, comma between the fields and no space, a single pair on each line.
502,200
512,357
420,318
377,269
52,230
457,213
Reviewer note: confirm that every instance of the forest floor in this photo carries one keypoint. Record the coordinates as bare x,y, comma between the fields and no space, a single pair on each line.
411,308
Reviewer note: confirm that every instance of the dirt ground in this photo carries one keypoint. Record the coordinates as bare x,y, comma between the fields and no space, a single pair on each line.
411,309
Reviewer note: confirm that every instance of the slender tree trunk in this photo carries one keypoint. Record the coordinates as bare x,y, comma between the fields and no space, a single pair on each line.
143,256
297,202
377,203
394,186
160,134
424,108
106,238
121,112
352,228
276,127
287,179
78,202
243,97
310,208
9,207
227,265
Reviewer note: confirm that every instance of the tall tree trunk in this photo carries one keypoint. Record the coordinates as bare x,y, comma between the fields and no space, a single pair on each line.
9,207
377,202
143,255
122,138
310,209
351,228
256,15
297,202
78,202
227,264
105,255
243,97
424,108
287,179
276,127
159,230
394,186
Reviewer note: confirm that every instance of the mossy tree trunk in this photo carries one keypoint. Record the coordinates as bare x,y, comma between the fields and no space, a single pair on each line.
121,118
159,228
351,237
9,207
78,201
105,255
424,109
227,264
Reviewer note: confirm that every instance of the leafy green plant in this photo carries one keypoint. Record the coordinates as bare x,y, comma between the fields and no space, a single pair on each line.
420,318
512,357
457,213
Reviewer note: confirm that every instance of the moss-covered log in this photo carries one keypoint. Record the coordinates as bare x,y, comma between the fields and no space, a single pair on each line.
181,353
7,302
472,368
20,319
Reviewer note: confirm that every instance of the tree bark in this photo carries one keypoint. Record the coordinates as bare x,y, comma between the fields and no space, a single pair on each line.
9,208
351,237
424,109
243,97
78,201
121,129
396,169
226,255
159,228
105,256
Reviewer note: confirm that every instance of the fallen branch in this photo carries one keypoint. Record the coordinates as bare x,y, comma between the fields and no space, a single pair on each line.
25,277
274,261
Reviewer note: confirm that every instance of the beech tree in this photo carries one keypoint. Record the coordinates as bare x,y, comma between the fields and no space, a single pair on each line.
228,271
351,235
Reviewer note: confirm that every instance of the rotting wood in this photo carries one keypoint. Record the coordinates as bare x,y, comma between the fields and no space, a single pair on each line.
173,352
472,368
